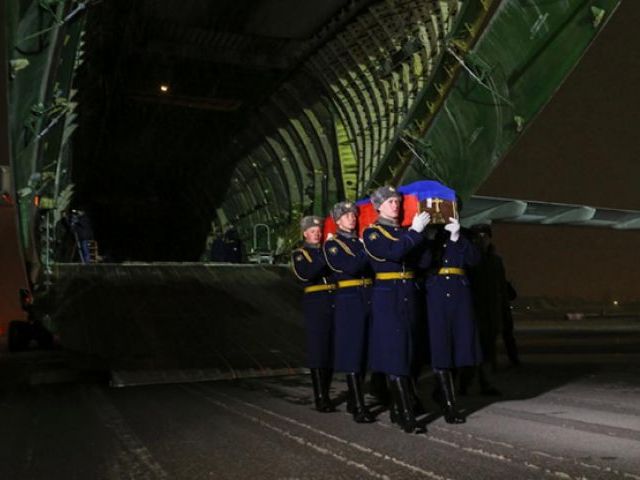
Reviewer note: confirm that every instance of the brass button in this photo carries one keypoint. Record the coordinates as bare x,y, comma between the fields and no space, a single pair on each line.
447,277
448,294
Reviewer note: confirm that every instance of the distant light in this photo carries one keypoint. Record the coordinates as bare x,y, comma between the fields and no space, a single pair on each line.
615,302
164,88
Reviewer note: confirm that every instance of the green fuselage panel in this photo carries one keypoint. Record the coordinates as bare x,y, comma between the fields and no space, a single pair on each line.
514,69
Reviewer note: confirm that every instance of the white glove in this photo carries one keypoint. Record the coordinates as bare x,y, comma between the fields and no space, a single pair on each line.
330,236
420,221
454,227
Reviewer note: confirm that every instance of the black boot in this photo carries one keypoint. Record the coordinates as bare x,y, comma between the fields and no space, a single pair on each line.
403,405
351,406
379,388
360,412
326,375
418,407
451,414
317,391
394,412
320,394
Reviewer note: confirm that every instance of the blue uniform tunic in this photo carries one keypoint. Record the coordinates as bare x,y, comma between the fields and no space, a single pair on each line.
347,258
453,333
310,267
395,309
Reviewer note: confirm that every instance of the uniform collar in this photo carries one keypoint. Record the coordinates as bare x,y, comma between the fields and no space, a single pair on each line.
387,222
308,245
344,233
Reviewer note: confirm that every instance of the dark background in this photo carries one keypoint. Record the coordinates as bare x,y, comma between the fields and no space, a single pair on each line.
583,148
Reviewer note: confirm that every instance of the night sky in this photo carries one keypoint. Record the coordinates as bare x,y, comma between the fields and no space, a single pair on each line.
583,148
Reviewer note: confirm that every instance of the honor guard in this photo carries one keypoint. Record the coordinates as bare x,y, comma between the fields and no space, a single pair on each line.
346,256
452,329
310,266
394,253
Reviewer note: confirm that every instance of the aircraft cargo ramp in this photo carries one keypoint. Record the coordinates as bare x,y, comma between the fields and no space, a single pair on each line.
157,323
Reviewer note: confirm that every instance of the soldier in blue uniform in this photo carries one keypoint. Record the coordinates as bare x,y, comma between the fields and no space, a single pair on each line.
346,256
394,251
310,267
453,333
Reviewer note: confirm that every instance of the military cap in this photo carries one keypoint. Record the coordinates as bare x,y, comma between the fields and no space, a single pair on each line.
382,194
342,208
483,229
310,221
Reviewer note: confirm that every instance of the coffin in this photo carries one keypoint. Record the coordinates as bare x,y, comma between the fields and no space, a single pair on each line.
423,196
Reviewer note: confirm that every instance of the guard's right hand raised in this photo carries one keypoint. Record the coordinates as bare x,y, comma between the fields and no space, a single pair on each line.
420,221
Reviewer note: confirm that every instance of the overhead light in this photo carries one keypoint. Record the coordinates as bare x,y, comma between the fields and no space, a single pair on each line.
164,88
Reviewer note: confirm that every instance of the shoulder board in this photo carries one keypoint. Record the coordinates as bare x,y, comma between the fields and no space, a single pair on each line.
384,232
306,254
344,246
326,257
371,234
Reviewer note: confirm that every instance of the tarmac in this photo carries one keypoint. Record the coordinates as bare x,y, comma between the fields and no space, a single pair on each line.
572,411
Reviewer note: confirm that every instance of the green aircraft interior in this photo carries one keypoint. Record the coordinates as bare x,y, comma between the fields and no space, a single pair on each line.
171,121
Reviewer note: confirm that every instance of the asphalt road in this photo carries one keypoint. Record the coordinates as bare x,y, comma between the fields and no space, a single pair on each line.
572,412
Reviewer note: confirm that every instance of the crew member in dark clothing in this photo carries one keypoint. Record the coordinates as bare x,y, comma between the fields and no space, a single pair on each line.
394,251
508,338
493,311
233,249
81,228
310,267
453,334
218,249
65,239
346,256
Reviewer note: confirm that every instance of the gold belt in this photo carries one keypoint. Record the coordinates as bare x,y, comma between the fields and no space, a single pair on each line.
320,288
451,271
362,282
395,275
